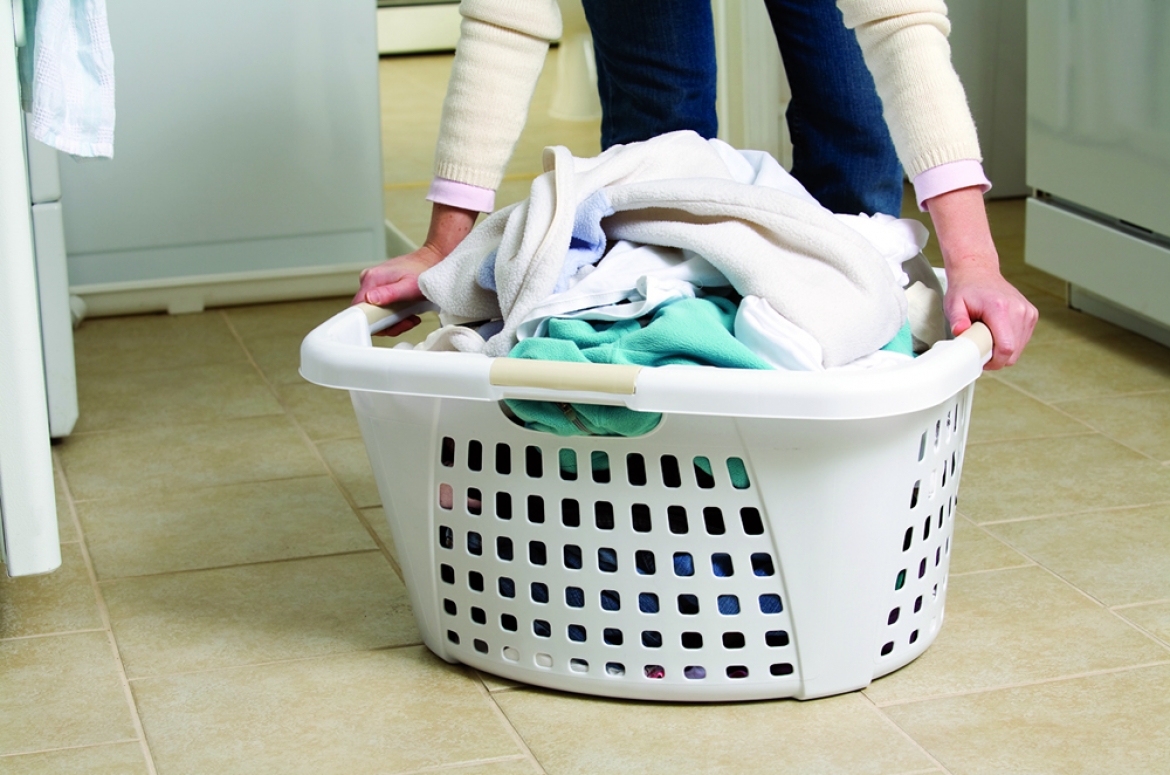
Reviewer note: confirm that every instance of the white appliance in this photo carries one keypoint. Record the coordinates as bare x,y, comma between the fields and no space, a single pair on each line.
1099,155
34,303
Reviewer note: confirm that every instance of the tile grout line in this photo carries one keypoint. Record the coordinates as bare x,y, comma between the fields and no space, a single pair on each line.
58,633
106,744
104,614
503,717
454,768
1059,514
1022,684
275,561
349,499
904,734
1143,603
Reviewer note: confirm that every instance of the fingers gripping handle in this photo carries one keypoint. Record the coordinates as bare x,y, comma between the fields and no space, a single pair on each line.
980,336
381,318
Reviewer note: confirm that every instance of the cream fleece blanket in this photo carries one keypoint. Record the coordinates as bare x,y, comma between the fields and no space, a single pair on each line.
750,220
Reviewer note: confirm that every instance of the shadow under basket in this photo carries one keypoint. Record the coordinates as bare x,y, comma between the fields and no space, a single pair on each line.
777,534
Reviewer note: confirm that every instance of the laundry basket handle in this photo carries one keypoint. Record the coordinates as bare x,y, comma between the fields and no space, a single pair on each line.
980,336
381,318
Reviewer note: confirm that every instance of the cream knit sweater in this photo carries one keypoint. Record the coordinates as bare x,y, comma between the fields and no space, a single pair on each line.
504,42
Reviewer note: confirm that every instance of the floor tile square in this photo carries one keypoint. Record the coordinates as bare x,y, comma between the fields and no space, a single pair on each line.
1015,626
1114,723
153,343
973,550
1153,618
384,712
60,691
1141,421
572,734
61,601
220,526
348,460
296,318
1090,368
324,413
115,759
1118,557
1000,412
278,357
163,459
258,613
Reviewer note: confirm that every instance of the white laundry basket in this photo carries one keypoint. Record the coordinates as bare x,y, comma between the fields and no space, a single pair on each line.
779,534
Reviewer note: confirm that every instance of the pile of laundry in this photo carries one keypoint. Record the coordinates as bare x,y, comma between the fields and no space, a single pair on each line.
680,250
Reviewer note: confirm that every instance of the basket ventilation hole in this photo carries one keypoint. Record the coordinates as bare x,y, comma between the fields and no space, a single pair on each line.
539,592
636,469
753,525
721,565
446,497
887,648
543,660
684,564
474,543
603,515
676,518
576,633
447,452
453,637
612,636
644,562
578,665
607,560
901,580
615,668
937,556
447,574
728,605
670,474
733,640
611,600
570,513
894,616
503,459
770,604
738,472
934,592
688,605
783,668
541,628
922,568
567,462
654,671
926,529
918,604
573,557
944,476
713,521
599,461
536,509
914,493
694,672
762,564
651,639
703,473
947,546
509,623
776,638
504,548
737,671
648,603
908,539
511,654
914,636
475,456
941,511
692,640
480,646
478,616
474,501
537,553
922,447
507,587
446,537
475,581
640,513
937,433
503,505
450,607
533,462
952,464
574,597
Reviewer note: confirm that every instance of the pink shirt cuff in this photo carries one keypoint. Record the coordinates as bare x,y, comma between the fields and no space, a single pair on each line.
450,192
949,177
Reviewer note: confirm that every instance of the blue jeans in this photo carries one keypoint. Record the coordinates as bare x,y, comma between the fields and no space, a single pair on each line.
656,74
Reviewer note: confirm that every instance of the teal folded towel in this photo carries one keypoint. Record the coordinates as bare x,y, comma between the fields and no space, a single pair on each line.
688,331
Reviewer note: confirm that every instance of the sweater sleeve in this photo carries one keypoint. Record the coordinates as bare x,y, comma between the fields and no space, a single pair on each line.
905,46
501,50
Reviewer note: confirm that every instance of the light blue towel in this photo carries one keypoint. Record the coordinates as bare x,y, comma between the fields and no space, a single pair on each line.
67,75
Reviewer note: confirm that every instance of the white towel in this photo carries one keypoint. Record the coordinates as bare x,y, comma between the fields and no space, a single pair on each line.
679,190
67,76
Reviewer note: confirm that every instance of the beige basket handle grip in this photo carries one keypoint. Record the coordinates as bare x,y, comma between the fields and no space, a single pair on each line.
381,318
980,336
559,375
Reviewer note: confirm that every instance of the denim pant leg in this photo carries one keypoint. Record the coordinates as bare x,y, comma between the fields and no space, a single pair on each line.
655,67
842,151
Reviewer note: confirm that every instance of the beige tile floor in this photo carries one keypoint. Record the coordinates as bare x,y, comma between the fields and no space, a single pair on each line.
230,599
